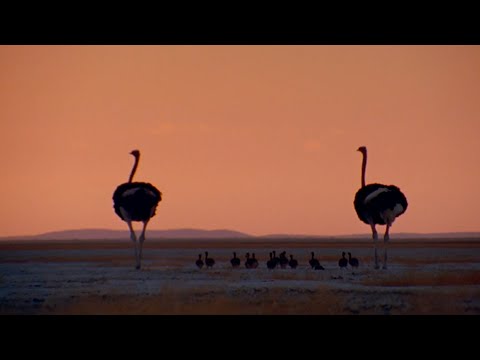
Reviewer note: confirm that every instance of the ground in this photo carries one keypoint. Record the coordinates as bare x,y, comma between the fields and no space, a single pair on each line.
98,277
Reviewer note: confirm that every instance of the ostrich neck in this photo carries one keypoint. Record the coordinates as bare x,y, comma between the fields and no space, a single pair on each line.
364,167
133,169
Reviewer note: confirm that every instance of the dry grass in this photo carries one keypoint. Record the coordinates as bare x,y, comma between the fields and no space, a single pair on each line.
246,301
419,278
171,284
462,301
221,262
434,260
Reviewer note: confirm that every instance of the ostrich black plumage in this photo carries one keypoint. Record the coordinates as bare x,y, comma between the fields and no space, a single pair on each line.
343,262
136,201
293,263
235,261
199,261
209,261
352,261
313,262
378,204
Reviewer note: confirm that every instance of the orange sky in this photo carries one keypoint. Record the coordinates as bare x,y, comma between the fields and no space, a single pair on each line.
260,139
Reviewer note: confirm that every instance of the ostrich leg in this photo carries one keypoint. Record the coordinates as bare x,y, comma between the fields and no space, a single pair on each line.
134,239
385,243
375,240
141,239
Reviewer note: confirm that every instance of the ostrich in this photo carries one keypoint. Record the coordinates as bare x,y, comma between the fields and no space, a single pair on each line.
293,263
313,262
343,262
283,260
248,262
251,262
136,201
275,259
254,261
271,264
199,262
209,261
352,261
378,204
235,261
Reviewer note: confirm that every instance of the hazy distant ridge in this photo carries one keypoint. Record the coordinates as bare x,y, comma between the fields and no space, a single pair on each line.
187,233
92,234
453,235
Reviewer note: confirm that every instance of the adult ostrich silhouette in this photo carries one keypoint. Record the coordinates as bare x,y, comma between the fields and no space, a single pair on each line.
378,204
136,201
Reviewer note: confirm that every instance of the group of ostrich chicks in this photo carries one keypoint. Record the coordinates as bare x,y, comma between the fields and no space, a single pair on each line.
374,203
281,261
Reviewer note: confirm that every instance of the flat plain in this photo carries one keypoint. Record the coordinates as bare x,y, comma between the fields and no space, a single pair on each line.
424,277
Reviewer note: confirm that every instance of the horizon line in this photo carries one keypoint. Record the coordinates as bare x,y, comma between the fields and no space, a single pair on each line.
238,231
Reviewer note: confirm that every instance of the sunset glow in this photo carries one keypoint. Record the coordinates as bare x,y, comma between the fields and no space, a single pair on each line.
259,139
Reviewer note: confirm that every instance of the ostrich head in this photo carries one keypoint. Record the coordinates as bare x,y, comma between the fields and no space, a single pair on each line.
135,153
362,149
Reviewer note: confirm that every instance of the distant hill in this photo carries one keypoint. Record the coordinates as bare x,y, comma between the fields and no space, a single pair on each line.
446,235
106,234
449,235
